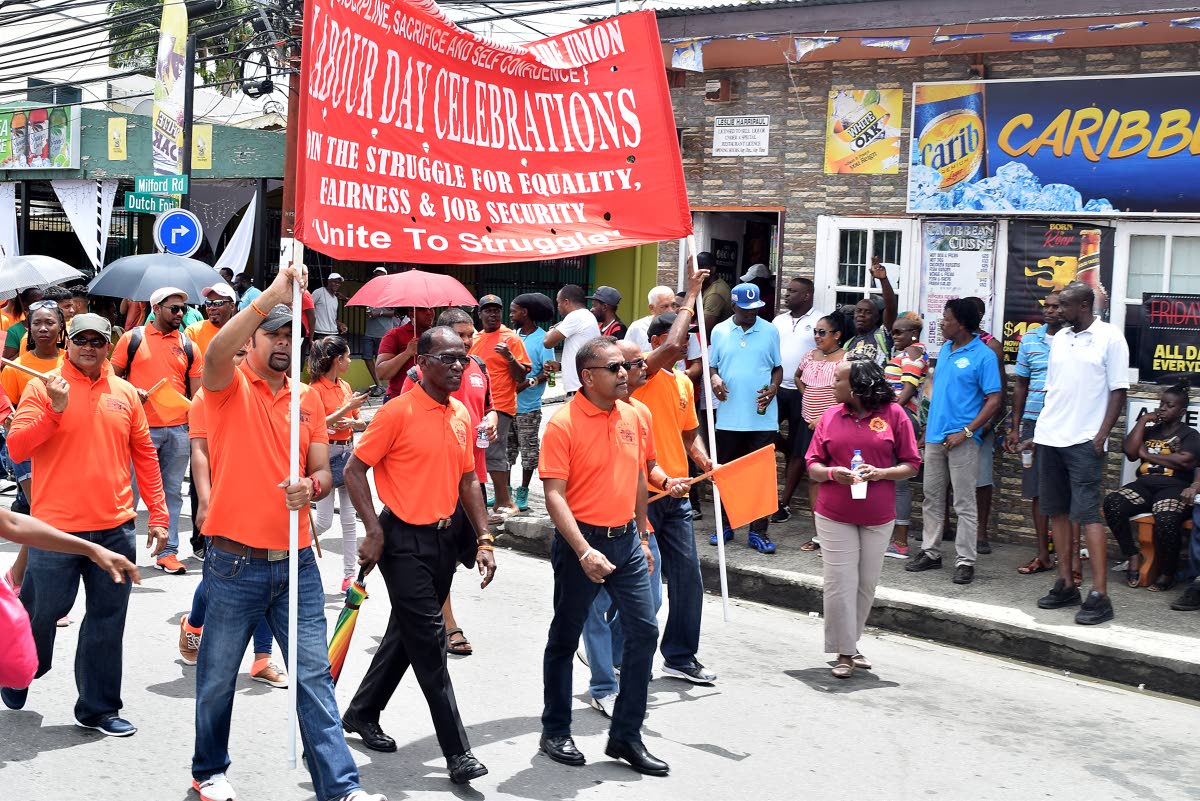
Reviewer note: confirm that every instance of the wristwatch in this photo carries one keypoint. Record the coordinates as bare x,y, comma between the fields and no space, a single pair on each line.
967,430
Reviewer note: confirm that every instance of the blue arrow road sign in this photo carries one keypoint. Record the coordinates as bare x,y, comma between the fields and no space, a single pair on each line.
178,232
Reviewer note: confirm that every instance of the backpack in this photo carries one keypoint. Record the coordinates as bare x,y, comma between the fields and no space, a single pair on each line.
415,376
136,335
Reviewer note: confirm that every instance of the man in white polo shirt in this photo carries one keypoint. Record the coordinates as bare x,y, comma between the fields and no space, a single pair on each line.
325,305
795,340
577,326
1086,380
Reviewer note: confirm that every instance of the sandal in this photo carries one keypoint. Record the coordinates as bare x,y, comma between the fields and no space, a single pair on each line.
1133,575
811,545
1035,565
842,670
460,647
861,662
1161,584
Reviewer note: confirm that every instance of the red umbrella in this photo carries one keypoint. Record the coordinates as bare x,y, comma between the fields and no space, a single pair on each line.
412,288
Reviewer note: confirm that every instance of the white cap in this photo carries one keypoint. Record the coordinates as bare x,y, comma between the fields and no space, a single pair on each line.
221,290
167,291
380,271
756,271
335,277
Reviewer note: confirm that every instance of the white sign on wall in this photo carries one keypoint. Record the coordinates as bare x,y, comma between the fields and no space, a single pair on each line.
741,136
957,261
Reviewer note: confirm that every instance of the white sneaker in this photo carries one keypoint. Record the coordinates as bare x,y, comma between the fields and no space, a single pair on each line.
581,655
363,795
605,704
215,788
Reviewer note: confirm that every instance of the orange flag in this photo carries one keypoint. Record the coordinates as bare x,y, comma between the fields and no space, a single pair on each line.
168,400
748,487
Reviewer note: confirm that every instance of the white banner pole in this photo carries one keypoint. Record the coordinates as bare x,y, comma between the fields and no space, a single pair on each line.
289,258
710,418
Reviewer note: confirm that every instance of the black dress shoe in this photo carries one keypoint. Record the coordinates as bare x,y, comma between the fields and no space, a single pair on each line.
637,756
562,749
464,767
372,736
964,574
922,563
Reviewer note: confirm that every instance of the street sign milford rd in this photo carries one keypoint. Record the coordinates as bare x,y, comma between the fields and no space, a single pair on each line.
178,232
149,204
161,184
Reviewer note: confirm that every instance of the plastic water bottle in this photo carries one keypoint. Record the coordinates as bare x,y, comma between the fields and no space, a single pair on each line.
858,490
481,436
550,380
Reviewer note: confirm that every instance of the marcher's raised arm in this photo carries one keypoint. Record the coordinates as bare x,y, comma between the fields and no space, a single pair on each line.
218,361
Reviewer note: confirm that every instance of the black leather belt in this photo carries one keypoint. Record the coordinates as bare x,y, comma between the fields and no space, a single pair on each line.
610,532
238,549
437,524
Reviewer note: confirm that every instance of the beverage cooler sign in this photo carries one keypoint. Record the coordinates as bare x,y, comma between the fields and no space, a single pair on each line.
39,138
1107,146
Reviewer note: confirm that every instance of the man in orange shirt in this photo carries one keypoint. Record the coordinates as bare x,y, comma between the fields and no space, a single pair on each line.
83,429
146,355
220,303
507,363
415,543
592,467
246,566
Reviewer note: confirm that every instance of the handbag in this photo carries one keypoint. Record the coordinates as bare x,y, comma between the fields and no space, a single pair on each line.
18,654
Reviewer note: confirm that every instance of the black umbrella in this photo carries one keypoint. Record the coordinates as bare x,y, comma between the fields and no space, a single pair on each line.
139,277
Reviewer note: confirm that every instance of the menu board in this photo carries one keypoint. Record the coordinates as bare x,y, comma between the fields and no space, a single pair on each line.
957,261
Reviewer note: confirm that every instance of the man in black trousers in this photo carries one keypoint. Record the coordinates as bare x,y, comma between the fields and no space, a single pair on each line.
421,447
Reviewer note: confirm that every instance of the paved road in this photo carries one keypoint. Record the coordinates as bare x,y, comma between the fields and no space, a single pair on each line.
930,722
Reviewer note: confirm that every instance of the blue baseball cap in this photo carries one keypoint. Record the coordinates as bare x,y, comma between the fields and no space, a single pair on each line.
747,296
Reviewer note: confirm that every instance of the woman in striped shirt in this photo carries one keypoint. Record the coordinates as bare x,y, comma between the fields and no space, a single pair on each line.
906,372
814,379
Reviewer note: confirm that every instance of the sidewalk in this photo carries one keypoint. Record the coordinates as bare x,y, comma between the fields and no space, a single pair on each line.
1147,644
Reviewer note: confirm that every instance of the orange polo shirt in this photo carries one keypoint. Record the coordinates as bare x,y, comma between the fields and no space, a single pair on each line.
201,333
197,418
81,458
333,395
15,381
598,454
669,396
420,450
248,437
159,356
504,388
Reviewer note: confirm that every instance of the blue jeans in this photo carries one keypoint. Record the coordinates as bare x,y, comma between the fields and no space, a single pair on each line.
174,453
629,588
48,593
672,521
602,634
262,632
241,590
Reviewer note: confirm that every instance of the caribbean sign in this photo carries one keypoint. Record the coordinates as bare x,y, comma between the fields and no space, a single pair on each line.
1112,146
1169,340
425,142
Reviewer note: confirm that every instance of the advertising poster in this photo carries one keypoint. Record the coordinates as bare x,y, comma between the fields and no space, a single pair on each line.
1045,257
202,147
166,127
1108,146
1168,349
424,142
958,260
39,138
118,149
862,131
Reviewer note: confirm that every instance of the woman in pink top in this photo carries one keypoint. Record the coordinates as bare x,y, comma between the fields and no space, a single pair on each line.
855,531
814,379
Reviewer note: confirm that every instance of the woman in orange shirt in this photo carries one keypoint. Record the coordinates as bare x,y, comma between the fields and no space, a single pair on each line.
329,360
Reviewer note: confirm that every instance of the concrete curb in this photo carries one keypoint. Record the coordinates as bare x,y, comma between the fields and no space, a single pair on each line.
1141,658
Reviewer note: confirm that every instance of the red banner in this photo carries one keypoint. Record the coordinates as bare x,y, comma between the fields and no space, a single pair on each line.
424,142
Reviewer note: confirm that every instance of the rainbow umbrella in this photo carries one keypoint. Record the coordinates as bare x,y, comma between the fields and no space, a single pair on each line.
343,630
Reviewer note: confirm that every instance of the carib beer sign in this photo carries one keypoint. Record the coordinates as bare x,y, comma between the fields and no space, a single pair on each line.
1110,146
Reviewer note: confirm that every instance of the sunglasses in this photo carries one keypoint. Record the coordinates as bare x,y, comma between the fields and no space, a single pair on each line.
89,342
43,304
176,308
449,359
820,332
216,304
616,367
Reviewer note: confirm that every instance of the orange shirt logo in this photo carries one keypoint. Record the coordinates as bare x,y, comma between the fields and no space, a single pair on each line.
878,425
116,405
627,434
460,431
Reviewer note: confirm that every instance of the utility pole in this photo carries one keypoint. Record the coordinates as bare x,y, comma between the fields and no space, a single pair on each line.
189,89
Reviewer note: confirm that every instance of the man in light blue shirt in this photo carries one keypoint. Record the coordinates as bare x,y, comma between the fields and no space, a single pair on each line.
747,369
247,292
523,434
966,394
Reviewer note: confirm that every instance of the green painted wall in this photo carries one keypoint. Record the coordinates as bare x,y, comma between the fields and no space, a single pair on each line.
237,152
631,271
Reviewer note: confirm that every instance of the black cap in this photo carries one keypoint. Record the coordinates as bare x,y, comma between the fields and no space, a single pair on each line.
277,318
662,324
